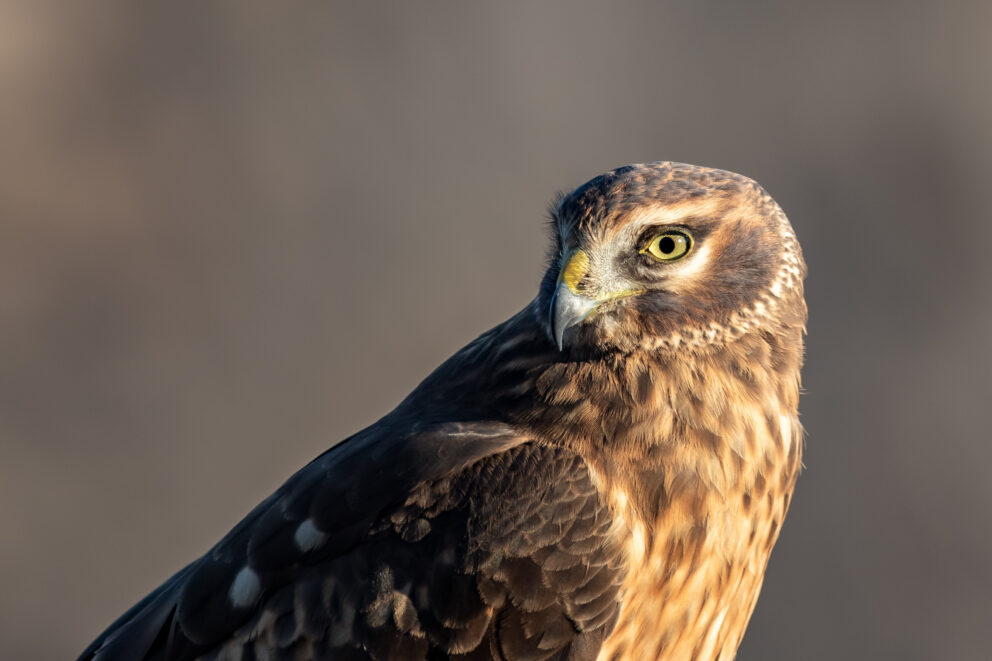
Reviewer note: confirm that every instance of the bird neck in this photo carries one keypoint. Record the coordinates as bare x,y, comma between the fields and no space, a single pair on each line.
642,412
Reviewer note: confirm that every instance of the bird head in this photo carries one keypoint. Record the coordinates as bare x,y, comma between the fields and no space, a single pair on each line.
665,256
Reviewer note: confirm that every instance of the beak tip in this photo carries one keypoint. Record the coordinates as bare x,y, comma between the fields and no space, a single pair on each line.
567,310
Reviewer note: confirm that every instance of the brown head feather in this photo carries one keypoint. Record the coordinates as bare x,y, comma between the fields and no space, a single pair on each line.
745,271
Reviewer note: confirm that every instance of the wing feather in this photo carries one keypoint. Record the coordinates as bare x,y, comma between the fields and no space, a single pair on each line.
453,540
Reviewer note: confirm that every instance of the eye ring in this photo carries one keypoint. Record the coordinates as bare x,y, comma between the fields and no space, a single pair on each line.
668,246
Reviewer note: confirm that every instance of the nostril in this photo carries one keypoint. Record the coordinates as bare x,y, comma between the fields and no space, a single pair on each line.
575,271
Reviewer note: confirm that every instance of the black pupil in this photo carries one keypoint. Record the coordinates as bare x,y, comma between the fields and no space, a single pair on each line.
666,245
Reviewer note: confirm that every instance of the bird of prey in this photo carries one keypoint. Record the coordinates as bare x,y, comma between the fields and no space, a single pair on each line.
602,476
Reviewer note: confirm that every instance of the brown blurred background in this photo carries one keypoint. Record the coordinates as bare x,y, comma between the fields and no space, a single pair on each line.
233,233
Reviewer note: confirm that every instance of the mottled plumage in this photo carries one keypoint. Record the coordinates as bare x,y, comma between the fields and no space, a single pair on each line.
614,497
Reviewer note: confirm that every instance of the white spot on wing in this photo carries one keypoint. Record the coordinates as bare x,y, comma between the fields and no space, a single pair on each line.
308,536
244,588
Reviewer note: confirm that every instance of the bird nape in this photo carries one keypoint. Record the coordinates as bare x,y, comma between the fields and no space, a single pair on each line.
602,476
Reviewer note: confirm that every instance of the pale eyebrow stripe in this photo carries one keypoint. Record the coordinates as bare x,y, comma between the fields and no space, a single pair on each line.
662,214
671,213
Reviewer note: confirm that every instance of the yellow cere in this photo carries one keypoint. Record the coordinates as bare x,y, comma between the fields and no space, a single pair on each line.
575,270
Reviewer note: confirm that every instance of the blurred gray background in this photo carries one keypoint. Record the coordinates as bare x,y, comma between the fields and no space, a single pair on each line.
233,233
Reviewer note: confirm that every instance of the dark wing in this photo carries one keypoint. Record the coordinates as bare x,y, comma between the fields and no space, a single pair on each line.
456,541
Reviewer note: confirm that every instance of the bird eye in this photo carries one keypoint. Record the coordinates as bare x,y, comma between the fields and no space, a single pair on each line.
669,246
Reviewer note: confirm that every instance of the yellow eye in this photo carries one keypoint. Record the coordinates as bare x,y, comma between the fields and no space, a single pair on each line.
669,246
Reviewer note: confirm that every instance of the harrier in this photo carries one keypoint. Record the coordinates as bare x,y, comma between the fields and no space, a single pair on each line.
602,476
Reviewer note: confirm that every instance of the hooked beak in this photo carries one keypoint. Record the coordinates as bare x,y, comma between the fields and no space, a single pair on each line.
569,306
568,309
